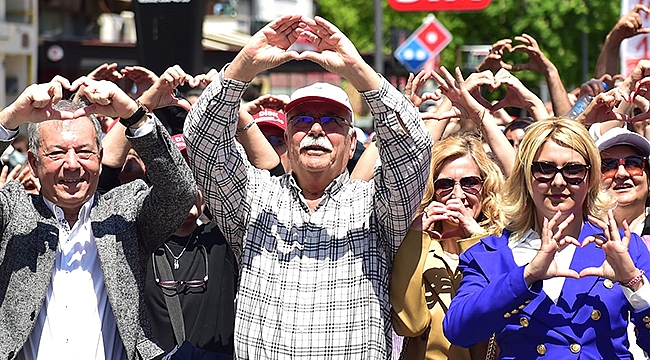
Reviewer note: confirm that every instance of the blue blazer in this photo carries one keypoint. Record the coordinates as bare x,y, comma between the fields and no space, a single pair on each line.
589,320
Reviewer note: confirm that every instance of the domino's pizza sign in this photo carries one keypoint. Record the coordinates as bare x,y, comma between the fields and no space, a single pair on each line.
426,42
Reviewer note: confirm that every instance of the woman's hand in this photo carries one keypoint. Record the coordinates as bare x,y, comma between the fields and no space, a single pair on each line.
618,265
543,265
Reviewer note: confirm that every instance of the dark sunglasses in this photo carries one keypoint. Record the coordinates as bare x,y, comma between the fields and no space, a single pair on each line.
573,174
469,184
328,122
634,165
175,285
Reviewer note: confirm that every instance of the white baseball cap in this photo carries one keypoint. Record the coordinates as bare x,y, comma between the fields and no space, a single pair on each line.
621,136
320,91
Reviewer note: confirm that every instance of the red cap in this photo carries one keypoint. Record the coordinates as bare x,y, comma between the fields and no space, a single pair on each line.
271,118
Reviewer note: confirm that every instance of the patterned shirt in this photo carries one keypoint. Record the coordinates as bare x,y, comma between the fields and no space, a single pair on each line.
313,284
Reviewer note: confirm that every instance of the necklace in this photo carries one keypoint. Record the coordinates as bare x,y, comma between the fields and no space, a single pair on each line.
176,265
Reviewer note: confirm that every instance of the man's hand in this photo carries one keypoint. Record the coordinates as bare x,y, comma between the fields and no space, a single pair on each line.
161,93
142,78
268,48
106,98
630,24
337,54
275,102
106,71
35,103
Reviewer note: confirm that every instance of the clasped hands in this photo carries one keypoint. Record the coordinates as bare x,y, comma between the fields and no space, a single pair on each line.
617,266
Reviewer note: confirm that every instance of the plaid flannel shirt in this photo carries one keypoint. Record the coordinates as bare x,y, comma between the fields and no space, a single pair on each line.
313,284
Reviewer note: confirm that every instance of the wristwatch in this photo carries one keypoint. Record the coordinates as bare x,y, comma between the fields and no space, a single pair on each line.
130,121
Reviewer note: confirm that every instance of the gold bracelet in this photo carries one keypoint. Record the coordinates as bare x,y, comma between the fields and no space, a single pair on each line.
146,109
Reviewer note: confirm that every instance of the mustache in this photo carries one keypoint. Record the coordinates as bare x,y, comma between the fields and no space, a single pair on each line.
321,141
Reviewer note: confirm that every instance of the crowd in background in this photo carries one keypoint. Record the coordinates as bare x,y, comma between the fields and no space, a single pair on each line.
455,232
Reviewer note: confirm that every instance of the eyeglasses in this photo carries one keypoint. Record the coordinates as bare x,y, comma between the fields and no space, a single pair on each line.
573,174
60,155
176,284
634,165
469,184
275,140
328,122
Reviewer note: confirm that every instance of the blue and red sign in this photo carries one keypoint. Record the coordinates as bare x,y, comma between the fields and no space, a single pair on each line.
425,43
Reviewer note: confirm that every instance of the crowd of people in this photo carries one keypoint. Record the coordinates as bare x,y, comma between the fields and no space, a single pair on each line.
147,225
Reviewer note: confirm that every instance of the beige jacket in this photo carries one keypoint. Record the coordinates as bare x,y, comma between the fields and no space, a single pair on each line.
424,280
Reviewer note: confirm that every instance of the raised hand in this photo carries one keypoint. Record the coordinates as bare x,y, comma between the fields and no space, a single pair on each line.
106,98
205,79
275,102
431,214
618,265
142,78
630,24
458,92
538,61
161,93
413,88
543,265
518,94
602,107
35,103
267,49
106,71
337,54
494,60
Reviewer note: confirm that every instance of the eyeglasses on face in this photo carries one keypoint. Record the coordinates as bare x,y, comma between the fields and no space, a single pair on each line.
327,122
572,174
469,184
60,155
634,165
176,285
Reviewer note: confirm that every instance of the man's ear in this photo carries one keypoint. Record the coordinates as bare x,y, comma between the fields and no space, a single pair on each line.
32,160
353,142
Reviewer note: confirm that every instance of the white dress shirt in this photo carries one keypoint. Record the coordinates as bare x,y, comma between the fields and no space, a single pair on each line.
76,320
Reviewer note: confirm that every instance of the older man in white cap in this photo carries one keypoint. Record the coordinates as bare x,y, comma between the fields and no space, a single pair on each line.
315,247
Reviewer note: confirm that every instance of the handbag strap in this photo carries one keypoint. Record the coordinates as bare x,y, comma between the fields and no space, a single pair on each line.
171,300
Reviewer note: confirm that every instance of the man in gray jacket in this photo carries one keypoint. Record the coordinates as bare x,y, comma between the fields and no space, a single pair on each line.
72,262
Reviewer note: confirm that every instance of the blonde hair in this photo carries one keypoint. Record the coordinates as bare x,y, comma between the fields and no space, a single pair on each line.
517,197
492,218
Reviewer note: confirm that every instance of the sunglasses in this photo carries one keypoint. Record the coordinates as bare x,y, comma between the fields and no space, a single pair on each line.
469,184
573,174
175,285
634,165
328,122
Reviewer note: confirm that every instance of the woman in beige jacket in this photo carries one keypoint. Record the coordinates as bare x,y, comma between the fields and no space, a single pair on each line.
460,205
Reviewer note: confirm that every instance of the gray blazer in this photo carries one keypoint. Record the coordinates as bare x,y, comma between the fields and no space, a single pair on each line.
129,223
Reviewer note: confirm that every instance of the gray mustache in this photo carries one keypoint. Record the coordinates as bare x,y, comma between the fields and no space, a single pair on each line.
321,141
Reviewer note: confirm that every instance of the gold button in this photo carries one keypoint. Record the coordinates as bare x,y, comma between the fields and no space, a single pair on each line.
527,301
595,315
575,348
646,319
523,321
647,326
514,311
522,306
608,283
507,315
541,349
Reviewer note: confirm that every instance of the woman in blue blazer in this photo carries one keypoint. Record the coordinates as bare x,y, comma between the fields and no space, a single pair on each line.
561,281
